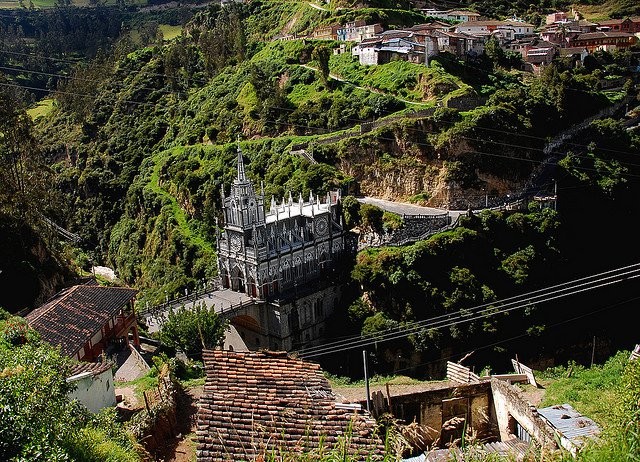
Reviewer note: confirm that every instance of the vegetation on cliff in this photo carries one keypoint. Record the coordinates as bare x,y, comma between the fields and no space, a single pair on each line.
141,140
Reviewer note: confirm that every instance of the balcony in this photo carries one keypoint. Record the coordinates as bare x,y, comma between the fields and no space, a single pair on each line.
124,322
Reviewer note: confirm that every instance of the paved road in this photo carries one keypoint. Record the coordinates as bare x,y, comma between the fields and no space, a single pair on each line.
407,209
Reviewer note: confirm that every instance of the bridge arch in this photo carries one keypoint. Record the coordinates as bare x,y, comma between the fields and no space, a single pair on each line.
250,331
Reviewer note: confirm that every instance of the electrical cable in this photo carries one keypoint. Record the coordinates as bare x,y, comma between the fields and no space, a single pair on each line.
482,311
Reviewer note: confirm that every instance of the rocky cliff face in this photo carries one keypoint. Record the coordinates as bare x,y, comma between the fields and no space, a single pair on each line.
388,166
30,270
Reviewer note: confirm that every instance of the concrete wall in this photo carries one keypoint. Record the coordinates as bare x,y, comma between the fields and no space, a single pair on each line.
302,321
284,324
472,401
510,407
95,392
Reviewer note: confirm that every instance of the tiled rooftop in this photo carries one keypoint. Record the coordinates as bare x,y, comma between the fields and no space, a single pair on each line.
75,314
94,368
267,403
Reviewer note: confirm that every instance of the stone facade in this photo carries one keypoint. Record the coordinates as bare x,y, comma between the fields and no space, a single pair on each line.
284,258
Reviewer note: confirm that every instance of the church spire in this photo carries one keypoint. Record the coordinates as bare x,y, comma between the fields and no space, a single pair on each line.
241,176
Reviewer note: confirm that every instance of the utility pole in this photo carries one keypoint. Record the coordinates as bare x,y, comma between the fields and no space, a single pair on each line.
366,379
555,194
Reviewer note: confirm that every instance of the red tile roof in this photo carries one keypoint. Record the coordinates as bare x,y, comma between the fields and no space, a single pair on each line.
74,315
262,403
94,368
598,35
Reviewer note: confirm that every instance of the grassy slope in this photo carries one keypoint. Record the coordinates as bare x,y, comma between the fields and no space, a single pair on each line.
41,109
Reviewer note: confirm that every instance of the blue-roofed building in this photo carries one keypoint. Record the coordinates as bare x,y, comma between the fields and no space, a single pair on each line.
573,429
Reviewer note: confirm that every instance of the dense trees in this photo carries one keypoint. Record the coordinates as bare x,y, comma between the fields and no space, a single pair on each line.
488,257
140,144
38,422
192,330
29,256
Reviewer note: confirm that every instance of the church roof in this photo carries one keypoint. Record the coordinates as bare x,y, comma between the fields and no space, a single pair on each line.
75,314
289,209
260,403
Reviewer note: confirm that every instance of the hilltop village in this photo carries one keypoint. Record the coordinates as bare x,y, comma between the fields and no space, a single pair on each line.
465,33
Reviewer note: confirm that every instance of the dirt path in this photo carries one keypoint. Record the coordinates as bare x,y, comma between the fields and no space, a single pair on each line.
129,398
183,447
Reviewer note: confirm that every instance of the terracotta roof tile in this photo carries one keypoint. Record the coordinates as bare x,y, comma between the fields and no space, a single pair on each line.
94,368
274,404
75,314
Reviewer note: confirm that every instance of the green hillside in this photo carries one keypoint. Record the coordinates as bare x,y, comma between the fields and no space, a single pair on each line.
141,140
132,130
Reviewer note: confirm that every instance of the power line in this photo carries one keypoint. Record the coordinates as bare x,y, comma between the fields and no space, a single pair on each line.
276,122
168,92
83,95
482,311
551,326
357,121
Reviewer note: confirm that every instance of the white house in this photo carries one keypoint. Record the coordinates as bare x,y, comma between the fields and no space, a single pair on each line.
509,29
94,386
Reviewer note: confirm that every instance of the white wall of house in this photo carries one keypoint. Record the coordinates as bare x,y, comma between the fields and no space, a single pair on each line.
368,56
95,392
96,338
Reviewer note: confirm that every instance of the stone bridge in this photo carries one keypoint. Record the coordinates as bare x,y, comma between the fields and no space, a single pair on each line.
251,320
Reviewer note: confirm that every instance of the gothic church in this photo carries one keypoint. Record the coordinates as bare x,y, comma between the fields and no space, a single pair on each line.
285,258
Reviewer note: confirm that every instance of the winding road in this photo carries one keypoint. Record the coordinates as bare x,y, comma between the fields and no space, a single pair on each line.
403,208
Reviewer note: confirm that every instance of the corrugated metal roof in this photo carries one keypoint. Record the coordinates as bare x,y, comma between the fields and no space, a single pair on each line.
569,423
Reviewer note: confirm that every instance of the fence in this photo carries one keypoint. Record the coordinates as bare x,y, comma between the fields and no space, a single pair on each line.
178,301
461,374
154,396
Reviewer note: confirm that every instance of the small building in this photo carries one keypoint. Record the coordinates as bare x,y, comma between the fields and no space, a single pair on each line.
452,15
384,49
83,319
94,387
454,43
557,16
329,32
607,41
575,54
629,25
431,26
400,49
358,31
367,51
509,29
265,403
560,34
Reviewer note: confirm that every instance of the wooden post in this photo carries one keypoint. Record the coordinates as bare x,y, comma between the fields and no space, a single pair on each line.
389,398
366,379
146,401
